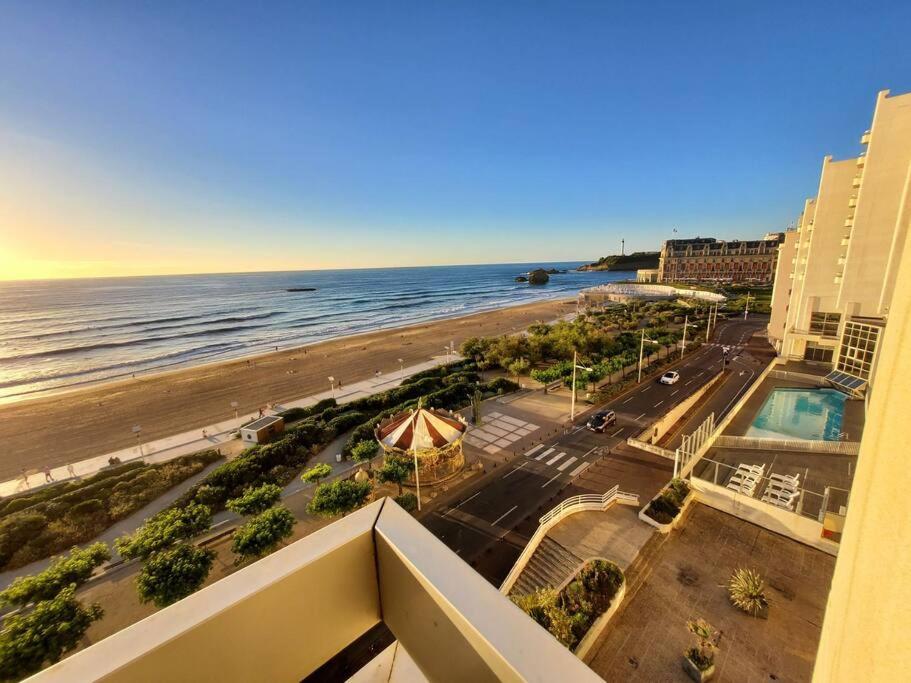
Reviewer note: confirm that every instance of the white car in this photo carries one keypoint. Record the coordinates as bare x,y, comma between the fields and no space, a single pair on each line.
670,377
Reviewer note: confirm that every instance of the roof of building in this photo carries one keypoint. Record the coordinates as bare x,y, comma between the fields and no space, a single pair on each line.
263,422
421,428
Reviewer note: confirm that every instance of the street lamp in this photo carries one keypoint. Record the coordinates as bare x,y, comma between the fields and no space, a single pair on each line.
641,349
572,409
332,386
137,430
401,370
417,481
686,323
746,308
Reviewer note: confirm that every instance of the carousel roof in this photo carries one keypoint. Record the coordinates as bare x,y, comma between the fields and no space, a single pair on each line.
422,428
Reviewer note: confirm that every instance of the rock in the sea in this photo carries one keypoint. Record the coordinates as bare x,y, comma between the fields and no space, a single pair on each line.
521,278
538,276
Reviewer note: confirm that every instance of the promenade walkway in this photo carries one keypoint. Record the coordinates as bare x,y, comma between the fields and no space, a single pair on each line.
218,435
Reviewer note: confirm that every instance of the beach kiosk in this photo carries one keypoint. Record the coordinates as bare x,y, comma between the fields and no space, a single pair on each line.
432,438
262,430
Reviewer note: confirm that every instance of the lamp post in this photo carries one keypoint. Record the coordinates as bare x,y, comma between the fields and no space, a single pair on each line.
686,323
641,349
414,450
572,409
746,309
137,430
401,370
332,385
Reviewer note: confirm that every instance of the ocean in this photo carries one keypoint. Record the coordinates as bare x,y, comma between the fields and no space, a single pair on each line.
57,334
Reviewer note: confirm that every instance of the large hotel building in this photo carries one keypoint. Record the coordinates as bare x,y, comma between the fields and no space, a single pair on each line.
836,274
705,259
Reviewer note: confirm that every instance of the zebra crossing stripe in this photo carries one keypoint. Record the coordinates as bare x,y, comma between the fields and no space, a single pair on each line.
579,469
545,453
555,458
534,450
567,463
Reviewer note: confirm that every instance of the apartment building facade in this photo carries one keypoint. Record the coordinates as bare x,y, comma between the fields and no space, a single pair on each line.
705,259
843,257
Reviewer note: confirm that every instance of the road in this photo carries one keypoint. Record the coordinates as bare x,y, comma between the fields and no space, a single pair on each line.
489,522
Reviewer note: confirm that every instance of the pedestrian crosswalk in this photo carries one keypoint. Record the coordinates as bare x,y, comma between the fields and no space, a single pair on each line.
561,461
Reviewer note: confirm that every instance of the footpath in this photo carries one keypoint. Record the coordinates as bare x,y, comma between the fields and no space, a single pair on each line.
214,436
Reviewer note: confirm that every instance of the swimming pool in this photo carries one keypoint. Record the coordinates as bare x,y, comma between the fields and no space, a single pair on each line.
811,414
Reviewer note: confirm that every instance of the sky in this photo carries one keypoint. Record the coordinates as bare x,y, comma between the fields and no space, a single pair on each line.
175,137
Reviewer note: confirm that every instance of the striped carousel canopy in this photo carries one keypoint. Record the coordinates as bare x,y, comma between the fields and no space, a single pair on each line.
423,428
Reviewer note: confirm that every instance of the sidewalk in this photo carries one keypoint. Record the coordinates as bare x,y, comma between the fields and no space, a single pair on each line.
217,435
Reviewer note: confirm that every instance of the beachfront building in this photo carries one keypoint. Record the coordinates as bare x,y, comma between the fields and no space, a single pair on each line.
433,437
844,256
705,259
647,275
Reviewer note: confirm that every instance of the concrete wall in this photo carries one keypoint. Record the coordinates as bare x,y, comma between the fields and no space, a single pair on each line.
867,620
781,291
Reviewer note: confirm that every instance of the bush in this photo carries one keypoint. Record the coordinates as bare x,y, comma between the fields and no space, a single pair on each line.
87,507
74,569
263,533
346,421
17,531
30,639
364,450
339,497
255,500
666,506
500,385
163,530
295,414
317,472
408,501
173,574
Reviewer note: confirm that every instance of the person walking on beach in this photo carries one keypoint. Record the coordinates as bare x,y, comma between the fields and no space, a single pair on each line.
25,477
71,470
260,412
48,477
204,434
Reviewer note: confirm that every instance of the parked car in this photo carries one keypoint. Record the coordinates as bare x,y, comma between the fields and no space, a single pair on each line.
670,377
599,421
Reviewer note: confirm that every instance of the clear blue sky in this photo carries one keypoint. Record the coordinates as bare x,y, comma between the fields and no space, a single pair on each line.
190,136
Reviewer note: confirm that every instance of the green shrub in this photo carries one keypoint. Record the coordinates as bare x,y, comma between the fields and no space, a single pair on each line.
317,472
74,569
364,450
173,574
17,530
295,414
408,501
86,508
339,497
500,385
255,500
263,533
346,421
163,530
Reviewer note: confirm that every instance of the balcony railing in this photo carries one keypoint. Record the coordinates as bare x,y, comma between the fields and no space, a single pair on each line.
283,617
865,138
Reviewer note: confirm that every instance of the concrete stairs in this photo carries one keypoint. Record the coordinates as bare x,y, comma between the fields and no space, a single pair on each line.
550,565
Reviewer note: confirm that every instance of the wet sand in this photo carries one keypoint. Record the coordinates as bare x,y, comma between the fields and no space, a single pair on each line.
68,427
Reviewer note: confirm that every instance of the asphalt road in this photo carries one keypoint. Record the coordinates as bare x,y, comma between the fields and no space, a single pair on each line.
489,522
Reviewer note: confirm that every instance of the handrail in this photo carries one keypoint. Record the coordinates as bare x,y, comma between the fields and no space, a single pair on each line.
580,503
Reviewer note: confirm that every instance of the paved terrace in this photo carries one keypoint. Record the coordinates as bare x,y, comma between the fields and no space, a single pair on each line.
683,576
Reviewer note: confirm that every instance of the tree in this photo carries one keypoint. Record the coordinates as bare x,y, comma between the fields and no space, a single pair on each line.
263,533
173,574
255,500
363,451
74,569
395,470
44,634
339,497
476,406
317,472
518,366
164,529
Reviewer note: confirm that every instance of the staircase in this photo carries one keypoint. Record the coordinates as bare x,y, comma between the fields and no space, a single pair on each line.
549,566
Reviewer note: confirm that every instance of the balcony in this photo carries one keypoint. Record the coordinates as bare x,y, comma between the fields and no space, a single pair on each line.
861,160
856,181
849,222
842,260
285,616
845,240
865,138
852,202
838,278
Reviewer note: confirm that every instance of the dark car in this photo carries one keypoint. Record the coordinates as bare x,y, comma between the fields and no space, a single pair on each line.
599,421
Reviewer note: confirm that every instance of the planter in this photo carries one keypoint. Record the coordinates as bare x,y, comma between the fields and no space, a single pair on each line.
697,674
597,628
666,528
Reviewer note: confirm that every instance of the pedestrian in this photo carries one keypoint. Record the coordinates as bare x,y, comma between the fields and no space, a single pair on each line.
260,412
340,384
71,470
47,475
204,435
25,477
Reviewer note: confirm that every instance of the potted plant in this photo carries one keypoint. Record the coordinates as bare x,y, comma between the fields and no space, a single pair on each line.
699,659
747,592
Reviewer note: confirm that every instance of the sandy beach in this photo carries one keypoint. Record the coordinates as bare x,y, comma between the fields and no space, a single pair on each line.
68,427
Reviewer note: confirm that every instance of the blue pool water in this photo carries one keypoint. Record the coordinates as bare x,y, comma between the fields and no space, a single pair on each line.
813,414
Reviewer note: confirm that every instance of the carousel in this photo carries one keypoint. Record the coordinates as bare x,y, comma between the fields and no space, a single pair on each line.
432,438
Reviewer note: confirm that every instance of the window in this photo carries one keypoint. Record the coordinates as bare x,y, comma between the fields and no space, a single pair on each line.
858,347
825,324
818,354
